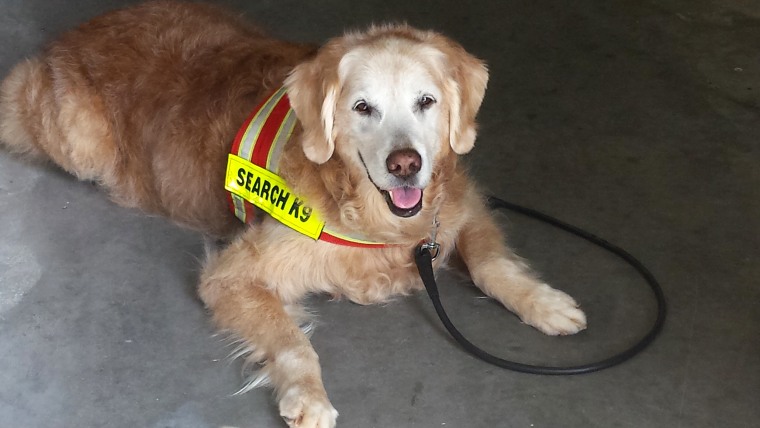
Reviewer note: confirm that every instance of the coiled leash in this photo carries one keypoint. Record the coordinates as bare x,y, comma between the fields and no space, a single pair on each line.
424,259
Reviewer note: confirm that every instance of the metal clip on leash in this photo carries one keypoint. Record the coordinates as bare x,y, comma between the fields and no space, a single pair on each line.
431,246
423,258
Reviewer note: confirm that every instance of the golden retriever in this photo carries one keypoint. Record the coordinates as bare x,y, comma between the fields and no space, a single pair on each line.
146,102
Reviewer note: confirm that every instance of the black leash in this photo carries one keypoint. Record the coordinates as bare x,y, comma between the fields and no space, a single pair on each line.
423,259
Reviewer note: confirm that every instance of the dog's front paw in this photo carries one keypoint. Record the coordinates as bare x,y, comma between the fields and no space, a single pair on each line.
552,311
303,408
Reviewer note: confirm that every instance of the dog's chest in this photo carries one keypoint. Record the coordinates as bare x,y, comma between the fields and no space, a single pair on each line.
295,265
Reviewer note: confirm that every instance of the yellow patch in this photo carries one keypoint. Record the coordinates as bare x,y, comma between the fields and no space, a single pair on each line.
269,192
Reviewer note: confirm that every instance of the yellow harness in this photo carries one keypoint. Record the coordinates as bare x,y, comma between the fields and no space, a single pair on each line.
252,179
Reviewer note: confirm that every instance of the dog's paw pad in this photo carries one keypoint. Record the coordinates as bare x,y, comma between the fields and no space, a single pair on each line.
554,312
302,409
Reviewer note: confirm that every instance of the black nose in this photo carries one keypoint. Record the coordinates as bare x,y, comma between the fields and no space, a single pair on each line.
404,163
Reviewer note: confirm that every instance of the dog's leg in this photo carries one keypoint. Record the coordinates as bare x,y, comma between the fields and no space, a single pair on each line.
503,276
244,306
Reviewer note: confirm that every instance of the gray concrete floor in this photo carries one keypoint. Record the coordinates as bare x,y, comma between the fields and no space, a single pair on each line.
637,120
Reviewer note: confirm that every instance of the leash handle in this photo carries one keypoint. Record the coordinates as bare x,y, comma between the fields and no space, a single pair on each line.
424,262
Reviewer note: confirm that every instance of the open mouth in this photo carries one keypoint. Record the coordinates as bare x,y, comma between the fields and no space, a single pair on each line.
403,201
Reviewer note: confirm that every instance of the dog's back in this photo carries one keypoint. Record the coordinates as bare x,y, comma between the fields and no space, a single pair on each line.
146,102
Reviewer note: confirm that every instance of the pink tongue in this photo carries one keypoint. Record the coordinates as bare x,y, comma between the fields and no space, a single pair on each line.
405,197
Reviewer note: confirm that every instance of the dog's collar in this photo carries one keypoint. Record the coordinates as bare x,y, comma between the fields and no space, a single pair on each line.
252,179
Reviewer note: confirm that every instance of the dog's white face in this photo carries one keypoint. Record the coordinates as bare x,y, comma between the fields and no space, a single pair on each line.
389,102
389,114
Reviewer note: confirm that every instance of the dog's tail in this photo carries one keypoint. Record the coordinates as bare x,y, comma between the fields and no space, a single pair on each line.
55,117
21,97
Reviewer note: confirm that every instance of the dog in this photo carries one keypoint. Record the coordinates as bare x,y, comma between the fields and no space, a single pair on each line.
147,101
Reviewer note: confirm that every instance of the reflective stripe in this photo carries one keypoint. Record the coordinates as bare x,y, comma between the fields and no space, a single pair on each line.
337,238
248,141
282,137
239,205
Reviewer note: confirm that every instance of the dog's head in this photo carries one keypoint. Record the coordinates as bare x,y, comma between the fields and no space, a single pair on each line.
390,102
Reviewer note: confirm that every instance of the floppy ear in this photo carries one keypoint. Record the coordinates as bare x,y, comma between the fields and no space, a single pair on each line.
313,91
466,86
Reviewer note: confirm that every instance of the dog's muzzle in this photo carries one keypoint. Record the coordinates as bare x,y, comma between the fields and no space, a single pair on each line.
404,201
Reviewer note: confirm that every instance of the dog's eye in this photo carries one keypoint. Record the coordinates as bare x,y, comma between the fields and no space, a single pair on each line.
425,102
362,108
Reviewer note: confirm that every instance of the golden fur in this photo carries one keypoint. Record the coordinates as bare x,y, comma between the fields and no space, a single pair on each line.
146,102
